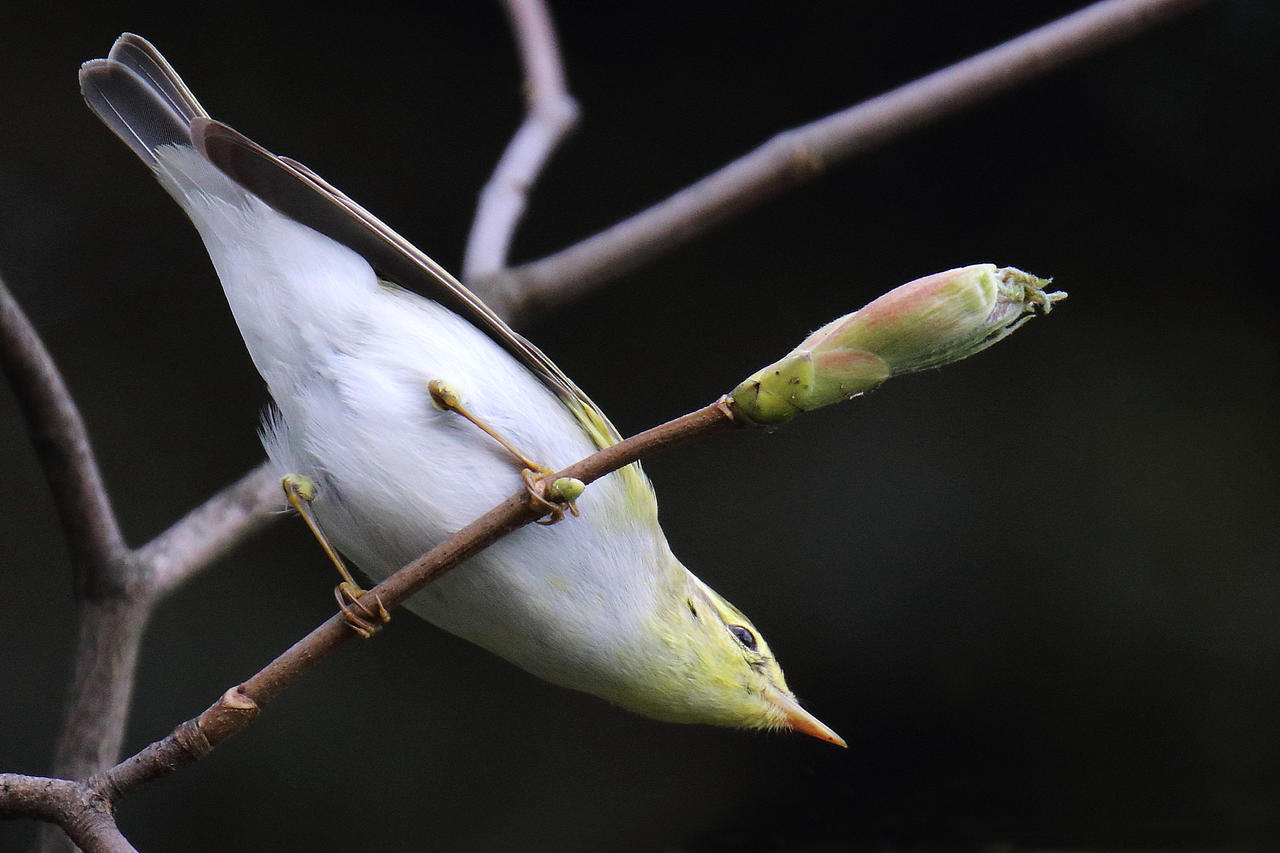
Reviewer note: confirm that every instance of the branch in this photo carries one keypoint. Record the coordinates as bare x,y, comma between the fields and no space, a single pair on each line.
84,815
212,529
550,114
84,810
797,156
111,589
97,547
115,588
240,706
110,630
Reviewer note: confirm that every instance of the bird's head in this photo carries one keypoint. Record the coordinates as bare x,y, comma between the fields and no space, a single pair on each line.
713,666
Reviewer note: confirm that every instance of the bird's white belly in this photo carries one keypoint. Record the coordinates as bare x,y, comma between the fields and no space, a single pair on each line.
396,475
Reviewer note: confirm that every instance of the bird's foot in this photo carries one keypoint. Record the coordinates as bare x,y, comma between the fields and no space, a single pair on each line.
300,491
556,497
362,618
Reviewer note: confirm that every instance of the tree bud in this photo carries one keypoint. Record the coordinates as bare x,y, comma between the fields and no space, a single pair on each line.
925,323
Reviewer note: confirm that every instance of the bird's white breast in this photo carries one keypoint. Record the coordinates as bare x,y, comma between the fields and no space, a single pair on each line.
347,361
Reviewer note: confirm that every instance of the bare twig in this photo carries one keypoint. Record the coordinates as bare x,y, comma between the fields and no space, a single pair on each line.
212,529
62,445
550,114
109,635
799,155
239,706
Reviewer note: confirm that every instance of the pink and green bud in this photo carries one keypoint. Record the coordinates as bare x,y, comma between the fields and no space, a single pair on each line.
926,323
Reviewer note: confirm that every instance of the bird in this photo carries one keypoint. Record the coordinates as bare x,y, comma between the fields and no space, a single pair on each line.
348,325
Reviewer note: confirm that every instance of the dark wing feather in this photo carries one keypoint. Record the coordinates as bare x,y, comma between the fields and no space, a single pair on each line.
304,196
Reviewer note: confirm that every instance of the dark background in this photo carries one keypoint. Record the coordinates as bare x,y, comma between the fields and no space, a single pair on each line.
1037,591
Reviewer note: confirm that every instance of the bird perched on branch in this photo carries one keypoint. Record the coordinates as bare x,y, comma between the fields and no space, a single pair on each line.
400,415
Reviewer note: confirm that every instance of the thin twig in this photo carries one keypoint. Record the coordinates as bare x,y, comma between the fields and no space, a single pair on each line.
799,155
550,113
212,529
62,445
239,706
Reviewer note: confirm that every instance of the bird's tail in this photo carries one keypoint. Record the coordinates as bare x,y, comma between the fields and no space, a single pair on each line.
140,97
292,290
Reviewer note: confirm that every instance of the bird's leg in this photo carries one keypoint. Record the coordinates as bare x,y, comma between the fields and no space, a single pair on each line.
446,397
300,491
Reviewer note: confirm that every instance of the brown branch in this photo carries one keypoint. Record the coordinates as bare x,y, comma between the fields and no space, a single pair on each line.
239,706
84,815
110,630
550,114
797,156
112,599
919,325
83,810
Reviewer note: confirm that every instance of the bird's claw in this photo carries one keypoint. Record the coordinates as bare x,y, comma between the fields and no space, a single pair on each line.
555,509
362,618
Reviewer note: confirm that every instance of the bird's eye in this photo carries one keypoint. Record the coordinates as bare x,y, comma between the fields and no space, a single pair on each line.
744,636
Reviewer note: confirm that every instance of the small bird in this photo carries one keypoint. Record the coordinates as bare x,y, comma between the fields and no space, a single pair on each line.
368,380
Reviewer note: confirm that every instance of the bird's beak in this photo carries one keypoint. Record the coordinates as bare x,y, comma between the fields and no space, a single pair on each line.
802,721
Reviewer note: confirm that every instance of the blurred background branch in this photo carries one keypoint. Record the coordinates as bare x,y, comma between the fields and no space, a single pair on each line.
799,155
551,113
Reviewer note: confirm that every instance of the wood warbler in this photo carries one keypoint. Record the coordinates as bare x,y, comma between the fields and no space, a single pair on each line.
597,603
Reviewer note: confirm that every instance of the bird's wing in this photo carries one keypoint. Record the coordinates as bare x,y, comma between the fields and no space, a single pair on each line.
304,196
